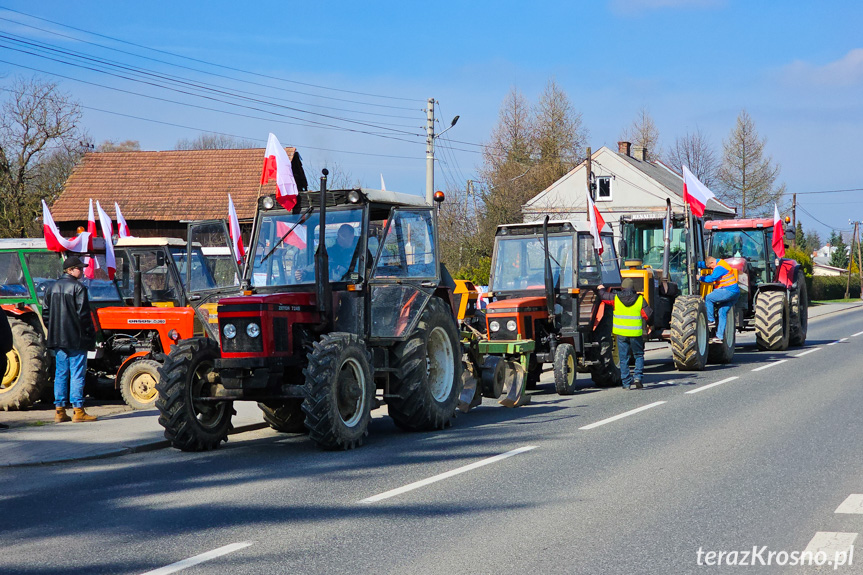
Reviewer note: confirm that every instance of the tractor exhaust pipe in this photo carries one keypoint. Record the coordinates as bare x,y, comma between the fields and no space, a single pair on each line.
322,262
549,279
666,238
136,282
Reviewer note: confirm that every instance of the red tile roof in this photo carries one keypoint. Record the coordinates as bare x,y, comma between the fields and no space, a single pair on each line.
165,186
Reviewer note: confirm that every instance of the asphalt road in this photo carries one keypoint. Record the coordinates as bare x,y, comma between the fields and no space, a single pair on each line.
764,460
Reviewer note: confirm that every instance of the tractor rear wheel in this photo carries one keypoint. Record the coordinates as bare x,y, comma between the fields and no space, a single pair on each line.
689,339
138,383
340,391
724,352
189,424
26,375
772,321
285,416
428,372
799,312
564,369
606,373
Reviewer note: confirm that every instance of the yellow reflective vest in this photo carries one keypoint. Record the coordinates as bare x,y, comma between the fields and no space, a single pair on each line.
627,319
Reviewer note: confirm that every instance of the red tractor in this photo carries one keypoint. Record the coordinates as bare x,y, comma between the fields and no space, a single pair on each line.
773,299
345,307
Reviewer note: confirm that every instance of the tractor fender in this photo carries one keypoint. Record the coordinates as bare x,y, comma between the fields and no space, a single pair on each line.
786,273
126,363
26,313
773,286
17,309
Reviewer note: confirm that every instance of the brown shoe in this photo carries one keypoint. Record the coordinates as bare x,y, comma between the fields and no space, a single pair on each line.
61,416
80,416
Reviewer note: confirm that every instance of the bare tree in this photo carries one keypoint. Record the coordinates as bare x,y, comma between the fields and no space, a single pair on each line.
694,151
747,175
124,146
36,121
210,141
558,136
337,179
643,132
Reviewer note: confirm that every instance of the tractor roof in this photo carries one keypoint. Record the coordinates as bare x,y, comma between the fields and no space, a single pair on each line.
748,224
340,198
39,243
148,242
554,226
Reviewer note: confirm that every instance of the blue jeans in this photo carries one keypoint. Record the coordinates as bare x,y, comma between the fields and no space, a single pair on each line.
69,377
624,346
723,299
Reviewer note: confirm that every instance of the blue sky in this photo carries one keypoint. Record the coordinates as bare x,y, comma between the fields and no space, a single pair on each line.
797,67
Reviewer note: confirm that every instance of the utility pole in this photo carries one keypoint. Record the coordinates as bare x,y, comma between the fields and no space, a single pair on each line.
859,260
430,152
851,259
794,218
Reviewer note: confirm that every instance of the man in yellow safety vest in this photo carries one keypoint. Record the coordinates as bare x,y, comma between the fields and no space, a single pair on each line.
724,295
630,313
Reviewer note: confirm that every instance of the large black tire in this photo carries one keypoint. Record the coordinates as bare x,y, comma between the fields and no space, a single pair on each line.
138,383
724,352
689,337
799,312
428,372
340,391
534,373
772,329
285,416
564,369
26,376
191,425
606,373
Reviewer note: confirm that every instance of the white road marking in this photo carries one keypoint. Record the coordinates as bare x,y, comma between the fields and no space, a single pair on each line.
185,563
447,475
838,341
714,384
802,353
622,415
858,333
852,504
770,365
830,543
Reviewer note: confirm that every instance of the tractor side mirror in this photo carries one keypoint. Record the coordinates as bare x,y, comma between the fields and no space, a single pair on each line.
790,235
160,259
622,247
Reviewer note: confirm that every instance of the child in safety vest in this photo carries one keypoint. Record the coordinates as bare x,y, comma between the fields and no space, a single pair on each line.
630,313
724,295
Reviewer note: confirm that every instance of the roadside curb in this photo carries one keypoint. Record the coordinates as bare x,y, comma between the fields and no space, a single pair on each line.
141,448
850,307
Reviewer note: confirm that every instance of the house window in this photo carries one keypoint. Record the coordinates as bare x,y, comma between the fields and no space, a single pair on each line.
603,188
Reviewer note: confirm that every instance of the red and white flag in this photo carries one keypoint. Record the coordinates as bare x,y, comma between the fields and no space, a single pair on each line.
778,234
297,237
277,165
236,234
92,263
695,193
122,226
108,234
596,224
57,243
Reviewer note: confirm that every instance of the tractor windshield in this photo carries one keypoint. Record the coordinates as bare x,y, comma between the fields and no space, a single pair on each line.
738,243
644,241
519,262
100,288
209,271
595,268
291,261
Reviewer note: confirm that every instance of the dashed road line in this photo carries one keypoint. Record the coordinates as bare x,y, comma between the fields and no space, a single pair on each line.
852,504
770,365
808,351
858,333
831,543
442,476
714,384
622,415
186,563
838,341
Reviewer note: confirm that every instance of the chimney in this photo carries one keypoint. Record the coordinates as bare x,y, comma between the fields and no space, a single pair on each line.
623,147
639,153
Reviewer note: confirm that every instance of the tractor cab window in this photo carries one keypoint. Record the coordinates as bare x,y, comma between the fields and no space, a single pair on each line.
45,268
100,287
595,268
201,272
285,251
408,250
520,263
158,284
644,241
747,244
13,276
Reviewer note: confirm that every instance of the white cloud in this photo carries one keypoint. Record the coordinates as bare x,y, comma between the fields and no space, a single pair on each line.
846,71
629,7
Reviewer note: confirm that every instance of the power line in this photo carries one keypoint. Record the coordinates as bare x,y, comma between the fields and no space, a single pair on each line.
831,191
222,66
829,227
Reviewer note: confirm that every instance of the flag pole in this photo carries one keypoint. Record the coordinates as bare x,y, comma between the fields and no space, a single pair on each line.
252,245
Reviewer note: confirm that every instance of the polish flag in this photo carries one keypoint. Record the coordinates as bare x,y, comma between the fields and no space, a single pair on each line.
778,234
296,238
236,234
695,193
57,243
596,224
92,263
122,226
91,224
277,165
108,234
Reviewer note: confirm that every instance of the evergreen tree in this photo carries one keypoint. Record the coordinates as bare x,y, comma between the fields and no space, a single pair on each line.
839,257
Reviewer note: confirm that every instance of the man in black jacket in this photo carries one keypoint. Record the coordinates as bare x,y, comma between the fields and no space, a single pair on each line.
6,345
71,334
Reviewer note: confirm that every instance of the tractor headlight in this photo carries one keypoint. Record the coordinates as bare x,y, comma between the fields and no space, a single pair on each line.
494,326
229,331
511,325
268,203
253,330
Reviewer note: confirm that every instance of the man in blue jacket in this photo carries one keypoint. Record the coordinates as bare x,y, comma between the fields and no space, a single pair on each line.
724,294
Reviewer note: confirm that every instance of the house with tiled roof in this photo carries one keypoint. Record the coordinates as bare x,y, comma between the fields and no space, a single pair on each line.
159,191
627,181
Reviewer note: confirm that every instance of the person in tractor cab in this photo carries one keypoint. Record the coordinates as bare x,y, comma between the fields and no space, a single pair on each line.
724,295
630,313
340,257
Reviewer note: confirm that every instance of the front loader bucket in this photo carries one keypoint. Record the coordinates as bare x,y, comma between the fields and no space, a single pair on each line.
514,386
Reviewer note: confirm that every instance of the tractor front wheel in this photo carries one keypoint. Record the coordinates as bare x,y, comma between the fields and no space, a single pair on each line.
564,369
799,312
138,383
689,336
26,375
605,373
771,321
190,424
724,352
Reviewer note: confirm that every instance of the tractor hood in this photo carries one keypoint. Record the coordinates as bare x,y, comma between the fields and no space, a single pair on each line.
516,305
292,301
